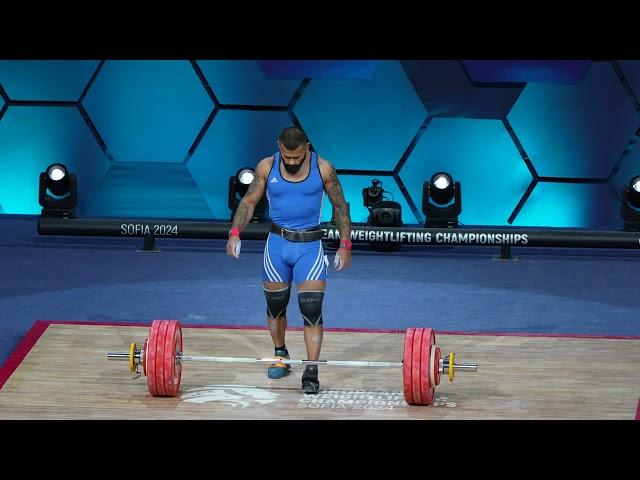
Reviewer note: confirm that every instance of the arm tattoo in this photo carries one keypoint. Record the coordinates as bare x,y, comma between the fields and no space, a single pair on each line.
242,216
253,185
334,190
244,212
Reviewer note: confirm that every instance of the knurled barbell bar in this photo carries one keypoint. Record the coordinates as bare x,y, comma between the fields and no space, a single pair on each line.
162,357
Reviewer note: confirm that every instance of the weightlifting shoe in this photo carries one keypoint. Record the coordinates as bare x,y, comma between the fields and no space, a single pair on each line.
279,369
310,383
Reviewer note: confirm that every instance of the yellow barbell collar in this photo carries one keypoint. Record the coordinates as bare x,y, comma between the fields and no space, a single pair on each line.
132,351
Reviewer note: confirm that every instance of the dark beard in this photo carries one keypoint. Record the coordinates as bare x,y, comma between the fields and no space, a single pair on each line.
292,169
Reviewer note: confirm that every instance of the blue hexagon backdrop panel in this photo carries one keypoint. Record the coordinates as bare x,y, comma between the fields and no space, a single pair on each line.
569,204
242,82
160,138
526,71
631,71
446,90
319,69
365,124
576,131
52,80
141,190
148,111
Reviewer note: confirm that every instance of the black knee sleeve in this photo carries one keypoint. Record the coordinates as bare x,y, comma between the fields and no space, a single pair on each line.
277,301
311,308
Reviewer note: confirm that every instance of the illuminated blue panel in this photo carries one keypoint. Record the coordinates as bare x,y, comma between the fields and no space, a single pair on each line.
630,168
481,156
149,190
235,139
46,79
319,69
366,124
148,111
631,71
575,131
569,205
445,89
241,82
513,71
32,138
352,186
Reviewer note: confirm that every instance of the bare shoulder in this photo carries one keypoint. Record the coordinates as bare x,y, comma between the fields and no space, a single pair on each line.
325,167
263,167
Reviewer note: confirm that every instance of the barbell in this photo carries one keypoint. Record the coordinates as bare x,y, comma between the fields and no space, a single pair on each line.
162,357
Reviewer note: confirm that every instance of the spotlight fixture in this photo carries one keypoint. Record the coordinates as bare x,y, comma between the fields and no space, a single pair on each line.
630,205
441,201
58,192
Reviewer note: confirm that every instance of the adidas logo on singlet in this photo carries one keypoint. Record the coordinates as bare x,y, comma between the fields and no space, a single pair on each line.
273,180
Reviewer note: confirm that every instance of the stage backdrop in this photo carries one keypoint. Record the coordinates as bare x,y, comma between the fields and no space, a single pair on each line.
533,143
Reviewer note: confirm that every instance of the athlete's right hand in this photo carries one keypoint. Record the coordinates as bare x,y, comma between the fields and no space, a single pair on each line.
233,246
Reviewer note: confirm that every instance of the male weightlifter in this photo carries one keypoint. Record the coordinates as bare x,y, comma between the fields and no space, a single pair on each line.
296,181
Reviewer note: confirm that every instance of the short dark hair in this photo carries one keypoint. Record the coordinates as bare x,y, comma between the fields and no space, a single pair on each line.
292,137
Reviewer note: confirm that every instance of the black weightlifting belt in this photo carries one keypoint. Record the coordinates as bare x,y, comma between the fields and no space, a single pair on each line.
306,235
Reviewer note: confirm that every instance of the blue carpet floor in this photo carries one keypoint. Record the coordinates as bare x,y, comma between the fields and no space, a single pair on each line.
556,291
